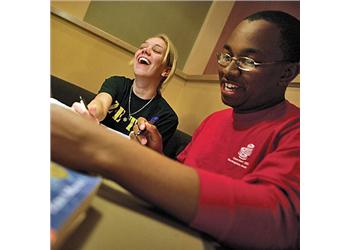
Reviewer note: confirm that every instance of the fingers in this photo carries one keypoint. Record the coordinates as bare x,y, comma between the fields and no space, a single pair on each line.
92,110
81,109
140,132
133,136
147,134
139,135
138,138
140,125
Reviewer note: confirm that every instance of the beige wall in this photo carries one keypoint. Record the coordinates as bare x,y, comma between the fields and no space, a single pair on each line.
76,8
85,59
82,58
293,95
207,37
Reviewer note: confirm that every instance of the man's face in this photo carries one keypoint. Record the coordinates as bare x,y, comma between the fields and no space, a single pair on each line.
148,58
249,91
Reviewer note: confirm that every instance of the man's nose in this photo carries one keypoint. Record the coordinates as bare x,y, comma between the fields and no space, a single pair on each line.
231,68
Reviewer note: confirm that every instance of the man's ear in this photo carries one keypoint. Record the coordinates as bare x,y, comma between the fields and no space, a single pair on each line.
290,72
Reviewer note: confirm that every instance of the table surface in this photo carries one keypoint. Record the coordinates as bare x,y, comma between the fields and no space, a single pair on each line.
117,219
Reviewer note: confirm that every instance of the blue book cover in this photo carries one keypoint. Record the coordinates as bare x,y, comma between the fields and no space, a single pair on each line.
71,191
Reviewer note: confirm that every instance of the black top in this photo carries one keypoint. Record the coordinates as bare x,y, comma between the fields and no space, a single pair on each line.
118,115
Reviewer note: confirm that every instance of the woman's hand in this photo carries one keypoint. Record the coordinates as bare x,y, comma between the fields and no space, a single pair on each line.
89,113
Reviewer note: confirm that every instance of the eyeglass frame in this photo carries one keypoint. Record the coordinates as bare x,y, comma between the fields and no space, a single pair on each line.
236,59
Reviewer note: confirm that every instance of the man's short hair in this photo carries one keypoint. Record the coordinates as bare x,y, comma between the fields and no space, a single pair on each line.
290,31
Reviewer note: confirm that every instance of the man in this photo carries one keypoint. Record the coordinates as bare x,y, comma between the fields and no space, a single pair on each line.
242,186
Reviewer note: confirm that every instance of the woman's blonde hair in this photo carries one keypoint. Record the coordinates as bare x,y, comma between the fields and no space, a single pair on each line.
170,59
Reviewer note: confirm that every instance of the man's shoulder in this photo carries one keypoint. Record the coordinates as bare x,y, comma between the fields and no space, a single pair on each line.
287,118
292,110
291,105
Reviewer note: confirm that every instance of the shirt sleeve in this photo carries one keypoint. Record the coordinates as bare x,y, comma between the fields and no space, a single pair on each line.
113,85
259,211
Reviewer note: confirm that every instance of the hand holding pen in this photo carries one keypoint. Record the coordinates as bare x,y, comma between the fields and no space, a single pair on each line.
82,102
146,133
142,126
81,108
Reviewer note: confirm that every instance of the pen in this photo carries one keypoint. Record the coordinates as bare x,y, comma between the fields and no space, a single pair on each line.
83,102
153,120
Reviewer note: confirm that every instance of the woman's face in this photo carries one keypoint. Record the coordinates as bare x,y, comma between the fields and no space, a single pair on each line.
148,59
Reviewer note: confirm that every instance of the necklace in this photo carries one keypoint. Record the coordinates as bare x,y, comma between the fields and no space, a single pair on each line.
130,114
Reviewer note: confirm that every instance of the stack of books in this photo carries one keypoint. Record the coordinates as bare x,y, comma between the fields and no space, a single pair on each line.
71,195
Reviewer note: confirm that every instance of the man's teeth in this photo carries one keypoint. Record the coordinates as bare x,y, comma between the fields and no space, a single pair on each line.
144,61
230,86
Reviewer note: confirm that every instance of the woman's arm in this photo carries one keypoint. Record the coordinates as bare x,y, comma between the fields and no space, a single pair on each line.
99,106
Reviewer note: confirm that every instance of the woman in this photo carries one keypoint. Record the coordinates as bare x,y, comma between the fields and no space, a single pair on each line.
121,101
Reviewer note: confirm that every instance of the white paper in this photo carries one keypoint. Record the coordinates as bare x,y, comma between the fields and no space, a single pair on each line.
57,102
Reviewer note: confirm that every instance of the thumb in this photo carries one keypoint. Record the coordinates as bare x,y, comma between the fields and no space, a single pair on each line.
92,110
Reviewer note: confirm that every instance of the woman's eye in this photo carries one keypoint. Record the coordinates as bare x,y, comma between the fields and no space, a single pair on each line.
157,49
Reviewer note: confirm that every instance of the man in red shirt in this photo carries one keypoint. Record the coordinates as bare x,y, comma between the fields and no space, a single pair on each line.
243,184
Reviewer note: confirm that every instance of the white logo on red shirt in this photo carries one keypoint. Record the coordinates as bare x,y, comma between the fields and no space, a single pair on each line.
245,152
243,155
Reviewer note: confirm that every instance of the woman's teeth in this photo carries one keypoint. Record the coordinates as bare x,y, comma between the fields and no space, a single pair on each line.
144,60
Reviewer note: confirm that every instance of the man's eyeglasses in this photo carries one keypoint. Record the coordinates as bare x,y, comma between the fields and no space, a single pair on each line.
243,63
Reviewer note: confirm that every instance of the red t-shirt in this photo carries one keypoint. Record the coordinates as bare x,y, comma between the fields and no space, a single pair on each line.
248,165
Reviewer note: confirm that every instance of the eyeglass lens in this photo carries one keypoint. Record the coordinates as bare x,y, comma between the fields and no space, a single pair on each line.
243,63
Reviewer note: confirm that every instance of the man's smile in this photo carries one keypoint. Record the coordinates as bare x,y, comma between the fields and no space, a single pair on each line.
229,86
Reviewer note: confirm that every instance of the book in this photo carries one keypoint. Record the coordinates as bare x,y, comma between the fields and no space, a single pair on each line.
71,194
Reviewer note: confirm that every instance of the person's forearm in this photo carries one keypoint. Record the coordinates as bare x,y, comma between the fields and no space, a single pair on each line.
100,110
159,180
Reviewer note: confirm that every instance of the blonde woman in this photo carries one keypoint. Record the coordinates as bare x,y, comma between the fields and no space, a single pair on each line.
121,101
